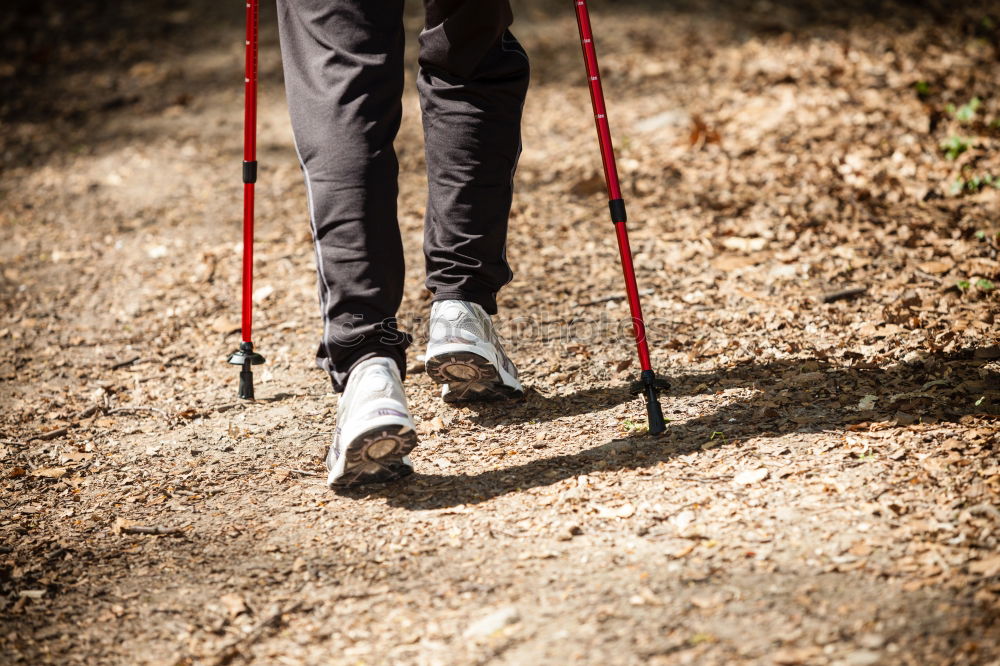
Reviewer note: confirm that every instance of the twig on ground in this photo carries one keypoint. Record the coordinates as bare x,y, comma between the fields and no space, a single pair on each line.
843,294
985,509
927,276
175,357
494,531
232,649
51,434
703,478
87,413
138,408
303,472
59,432
608,299
151,530
124,364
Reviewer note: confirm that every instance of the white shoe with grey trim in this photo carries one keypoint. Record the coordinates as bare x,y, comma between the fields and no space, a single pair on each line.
465,356
374,428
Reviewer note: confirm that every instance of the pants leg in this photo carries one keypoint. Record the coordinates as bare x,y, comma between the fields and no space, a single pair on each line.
343,64
472,83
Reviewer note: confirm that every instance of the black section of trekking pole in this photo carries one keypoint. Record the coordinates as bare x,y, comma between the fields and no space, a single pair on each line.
247,358
649,385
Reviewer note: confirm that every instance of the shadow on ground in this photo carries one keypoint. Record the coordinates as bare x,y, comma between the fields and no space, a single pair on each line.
73,67
787,400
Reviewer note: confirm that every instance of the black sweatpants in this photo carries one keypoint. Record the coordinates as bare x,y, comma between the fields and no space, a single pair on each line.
343,63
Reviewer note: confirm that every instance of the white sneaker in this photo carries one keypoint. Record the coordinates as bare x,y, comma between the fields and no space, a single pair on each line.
464,354
374,428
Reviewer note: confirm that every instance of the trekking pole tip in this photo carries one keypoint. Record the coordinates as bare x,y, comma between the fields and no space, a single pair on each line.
246,383
651,386
654,414
246,357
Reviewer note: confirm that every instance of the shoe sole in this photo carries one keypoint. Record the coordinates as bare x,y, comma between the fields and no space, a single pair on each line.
470,378
376,456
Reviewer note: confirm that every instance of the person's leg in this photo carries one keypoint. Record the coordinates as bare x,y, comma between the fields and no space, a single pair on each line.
343,63
472,82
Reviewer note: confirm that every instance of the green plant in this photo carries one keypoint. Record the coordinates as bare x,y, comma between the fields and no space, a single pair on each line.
633,426
985,285
974,184
955,146
978,182
963,285
980,235
923,89
967,112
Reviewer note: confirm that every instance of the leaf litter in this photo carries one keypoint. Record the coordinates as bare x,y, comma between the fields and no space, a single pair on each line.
819,291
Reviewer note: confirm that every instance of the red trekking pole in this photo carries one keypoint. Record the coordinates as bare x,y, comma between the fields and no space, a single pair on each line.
245,356
649,385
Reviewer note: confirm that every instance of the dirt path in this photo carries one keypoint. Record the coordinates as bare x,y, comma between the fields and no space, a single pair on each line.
827,489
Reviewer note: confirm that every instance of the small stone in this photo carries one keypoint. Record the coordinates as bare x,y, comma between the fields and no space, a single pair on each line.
570,532
234,604
664,119
871,641
751,476
860,658
990,373
263,293
493,622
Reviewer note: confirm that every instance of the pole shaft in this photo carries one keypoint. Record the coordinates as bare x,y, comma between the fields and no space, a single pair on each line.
611,176
249,155
597,99
247,319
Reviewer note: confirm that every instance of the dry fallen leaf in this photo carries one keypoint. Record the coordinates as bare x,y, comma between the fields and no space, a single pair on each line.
50,472
121,523
234,604
644,597
987,567
732,262
792,656
706,600
936,267
74,456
